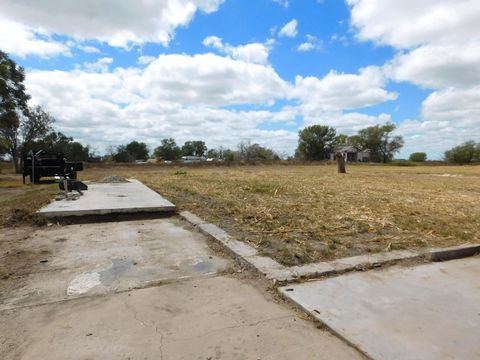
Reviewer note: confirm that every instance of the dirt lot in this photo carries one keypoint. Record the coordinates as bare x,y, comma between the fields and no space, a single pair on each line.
305,213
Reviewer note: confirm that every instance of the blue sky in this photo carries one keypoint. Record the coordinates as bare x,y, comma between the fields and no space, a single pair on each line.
236,70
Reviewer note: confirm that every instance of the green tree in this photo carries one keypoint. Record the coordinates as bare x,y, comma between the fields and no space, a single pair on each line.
248,151
379,140
194,148
465,153
57,141
315,142
19,125
226,154
32,127
168,150
418,157
121,154
137,150
131,152
213,154
341,140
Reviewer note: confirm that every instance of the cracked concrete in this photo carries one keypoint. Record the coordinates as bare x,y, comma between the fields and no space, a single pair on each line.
110,257
146,289
209,318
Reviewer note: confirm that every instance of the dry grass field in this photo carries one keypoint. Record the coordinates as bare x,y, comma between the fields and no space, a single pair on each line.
305,213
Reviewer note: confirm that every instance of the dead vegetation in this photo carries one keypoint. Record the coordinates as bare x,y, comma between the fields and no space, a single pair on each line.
305,213
19,202
301,214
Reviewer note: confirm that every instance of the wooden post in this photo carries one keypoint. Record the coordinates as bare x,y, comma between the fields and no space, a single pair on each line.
340,163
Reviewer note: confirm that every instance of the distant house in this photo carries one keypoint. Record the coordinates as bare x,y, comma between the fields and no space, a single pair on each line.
192,159
351,154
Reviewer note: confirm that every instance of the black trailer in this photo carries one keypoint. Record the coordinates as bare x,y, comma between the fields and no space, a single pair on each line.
41,163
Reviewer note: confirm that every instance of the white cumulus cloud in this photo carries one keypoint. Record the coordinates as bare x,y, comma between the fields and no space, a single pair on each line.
22,40
338,91
119,23
409,23
311,43
289,29
252,52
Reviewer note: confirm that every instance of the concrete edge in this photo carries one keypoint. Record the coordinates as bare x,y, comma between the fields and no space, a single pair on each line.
278,273
168,208
455,252
79,213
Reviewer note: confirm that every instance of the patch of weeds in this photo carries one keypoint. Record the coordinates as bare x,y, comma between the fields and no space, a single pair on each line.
361,227
263,188
263,252
326,253
23,216
180,172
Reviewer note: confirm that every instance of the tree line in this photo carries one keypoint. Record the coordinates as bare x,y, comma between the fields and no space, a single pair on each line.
168,150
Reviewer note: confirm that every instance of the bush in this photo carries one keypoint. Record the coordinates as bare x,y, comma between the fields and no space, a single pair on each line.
418,157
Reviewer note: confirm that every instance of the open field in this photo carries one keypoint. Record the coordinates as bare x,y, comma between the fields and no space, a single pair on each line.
305,213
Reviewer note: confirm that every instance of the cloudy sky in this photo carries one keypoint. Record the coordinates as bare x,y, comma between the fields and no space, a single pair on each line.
226,71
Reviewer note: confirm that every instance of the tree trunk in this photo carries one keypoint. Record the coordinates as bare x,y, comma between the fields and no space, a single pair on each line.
340,163
18,168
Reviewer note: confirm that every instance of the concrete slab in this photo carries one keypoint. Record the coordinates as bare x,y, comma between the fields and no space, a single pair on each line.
92,259
214,318
426,312
110,198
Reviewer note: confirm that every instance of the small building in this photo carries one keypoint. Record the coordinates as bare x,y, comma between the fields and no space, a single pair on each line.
351,154
192,159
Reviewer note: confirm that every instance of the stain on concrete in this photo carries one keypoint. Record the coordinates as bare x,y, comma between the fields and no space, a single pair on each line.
119,269
83,283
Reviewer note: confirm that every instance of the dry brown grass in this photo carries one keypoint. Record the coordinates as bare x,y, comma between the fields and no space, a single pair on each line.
300,214
18,202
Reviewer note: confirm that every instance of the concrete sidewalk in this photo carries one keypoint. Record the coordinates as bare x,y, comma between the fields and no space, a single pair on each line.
424,312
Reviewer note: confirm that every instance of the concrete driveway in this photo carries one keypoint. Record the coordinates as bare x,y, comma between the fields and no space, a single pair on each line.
148,289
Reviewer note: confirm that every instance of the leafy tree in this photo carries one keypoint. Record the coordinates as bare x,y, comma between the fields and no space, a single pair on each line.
19,125
418,157
194,148
315,142
168,150
121,154
226,154
248,151
20,137
379,141
213,154
137,150
131,152
57,141
465,153
341,140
